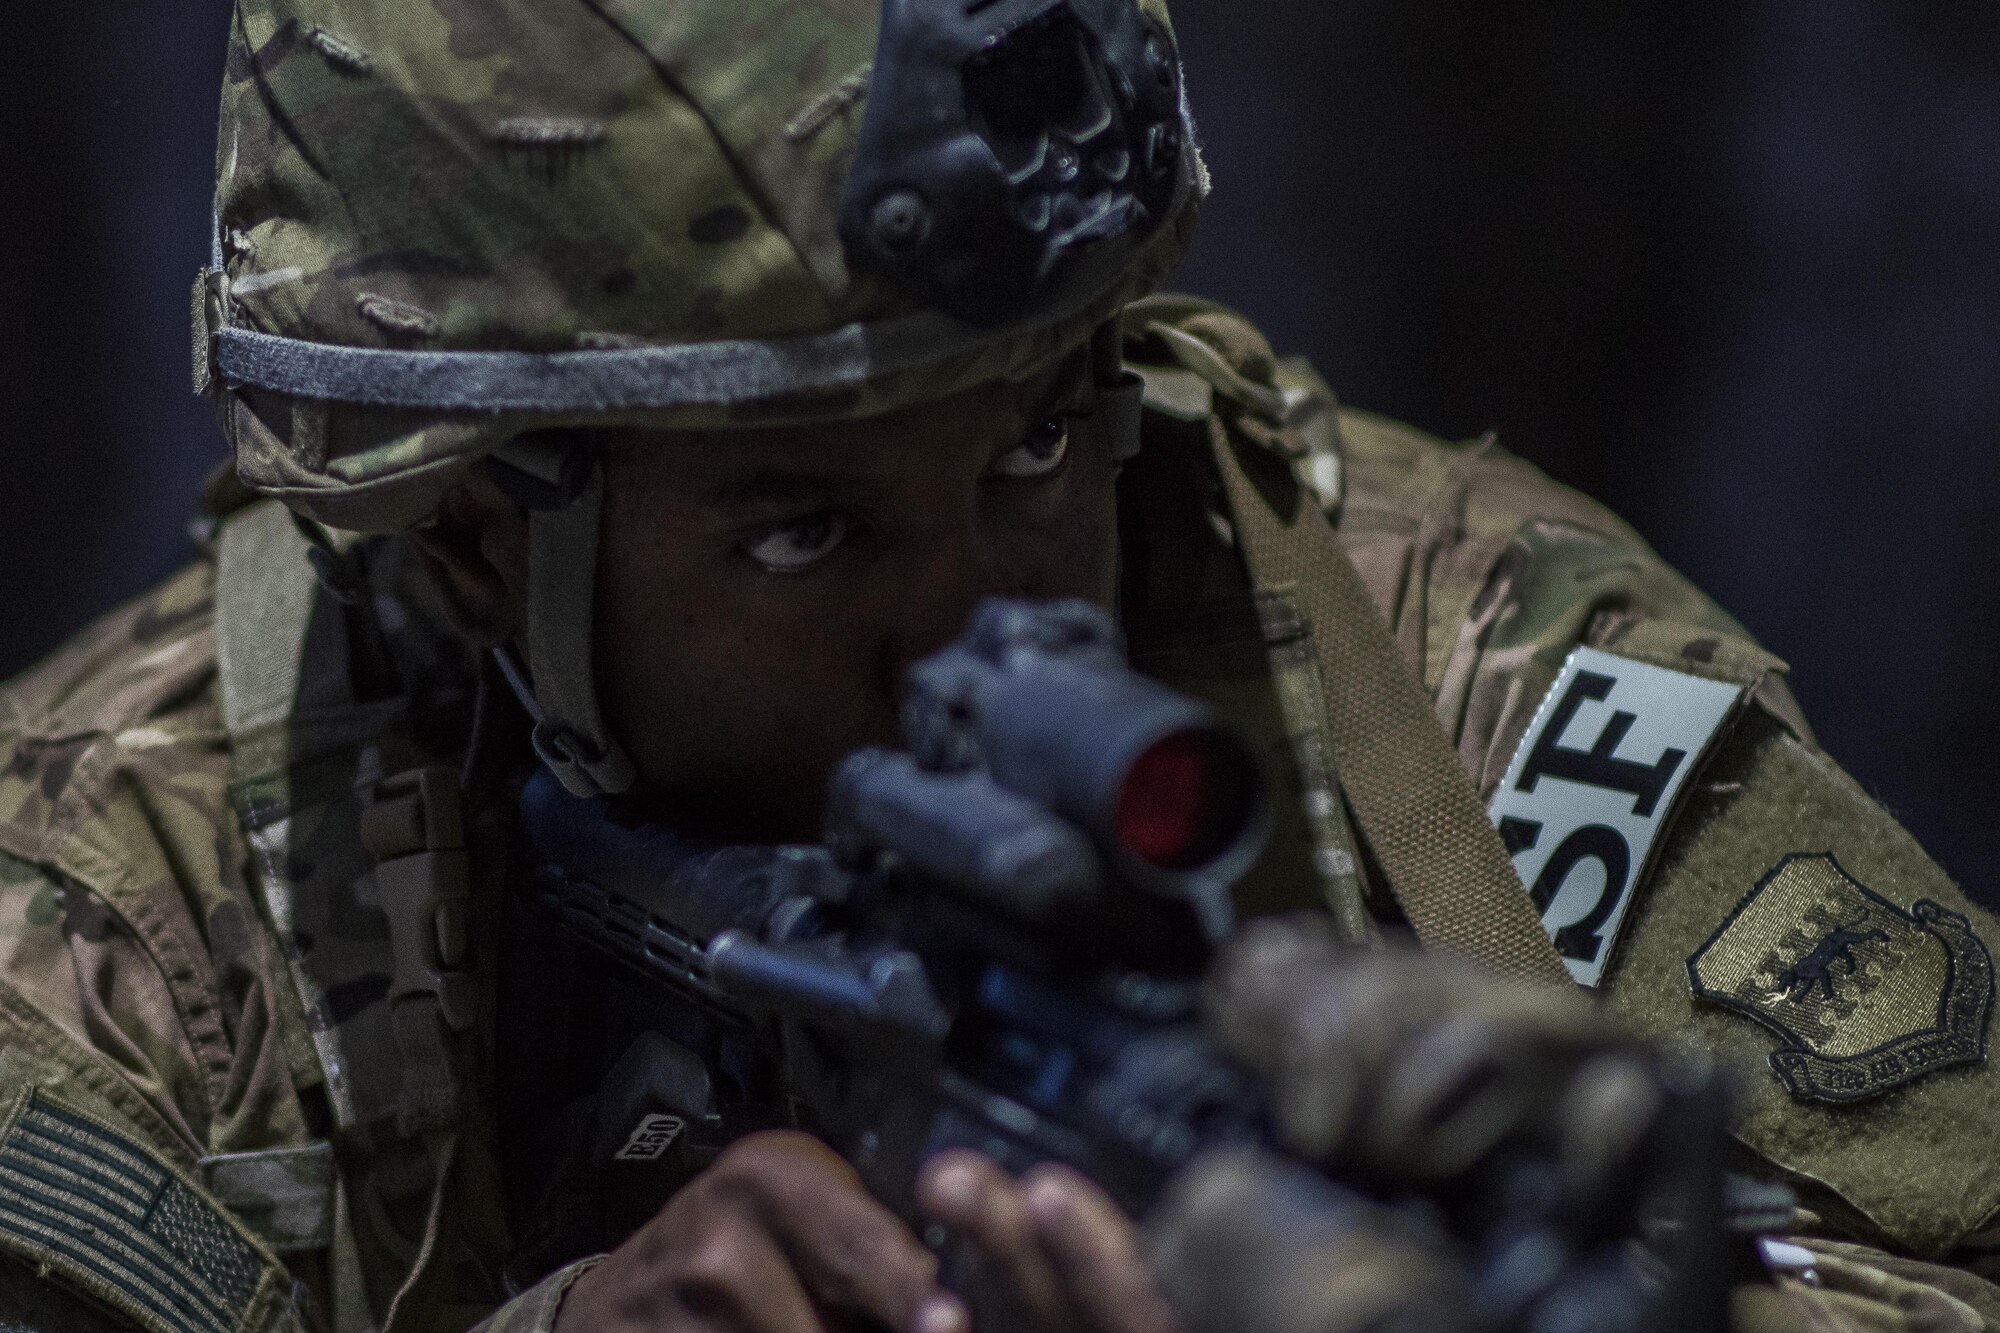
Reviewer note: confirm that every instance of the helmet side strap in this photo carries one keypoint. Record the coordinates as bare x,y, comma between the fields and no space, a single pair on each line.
561,487
1120,392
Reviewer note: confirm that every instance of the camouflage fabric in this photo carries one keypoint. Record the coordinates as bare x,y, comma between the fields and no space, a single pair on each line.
130,923
1490,576
135,968
194,942
449,177
146,862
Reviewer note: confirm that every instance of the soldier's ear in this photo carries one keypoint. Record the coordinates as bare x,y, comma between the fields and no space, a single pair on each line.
476,547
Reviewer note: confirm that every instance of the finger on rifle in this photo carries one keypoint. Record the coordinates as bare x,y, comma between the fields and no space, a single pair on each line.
1094,1251
970,1194
852,1253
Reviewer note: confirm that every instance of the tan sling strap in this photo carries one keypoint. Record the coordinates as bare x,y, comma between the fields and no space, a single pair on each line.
1445,863
1422,818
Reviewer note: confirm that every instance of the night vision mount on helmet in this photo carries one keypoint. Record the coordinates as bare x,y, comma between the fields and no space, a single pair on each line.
1013,152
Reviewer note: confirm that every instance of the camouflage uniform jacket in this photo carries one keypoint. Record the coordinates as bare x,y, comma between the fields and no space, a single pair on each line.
205,1093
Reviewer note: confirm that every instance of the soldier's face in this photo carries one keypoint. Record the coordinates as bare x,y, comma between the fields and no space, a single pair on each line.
760,593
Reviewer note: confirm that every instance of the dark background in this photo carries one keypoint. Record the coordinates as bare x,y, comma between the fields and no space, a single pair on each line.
1732,268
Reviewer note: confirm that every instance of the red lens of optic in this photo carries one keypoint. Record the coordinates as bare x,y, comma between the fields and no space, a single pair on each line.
1184,801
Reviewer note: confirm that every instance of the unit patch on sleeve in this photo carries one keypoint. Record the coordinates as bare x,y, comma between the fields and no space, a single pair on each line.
1866,995
99,1211
1591,786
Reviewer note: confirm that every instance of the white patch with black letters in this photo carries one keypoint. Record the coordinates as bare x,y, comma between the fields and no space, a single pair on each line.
1590,788
651,1138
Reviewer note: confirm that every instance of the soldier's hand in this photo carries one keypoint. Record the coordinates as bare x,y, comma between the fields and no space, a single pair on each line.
1416,1066
1246,1242
1054,1248
1425,1075
777,1237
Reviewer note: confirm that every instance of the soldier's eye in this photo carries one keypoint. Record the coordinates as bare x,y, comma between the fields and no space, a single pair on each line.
1042,454
799,543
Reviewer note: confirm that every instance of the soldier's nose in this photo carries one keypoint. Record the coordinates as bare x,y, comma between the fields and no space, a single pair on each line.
953,575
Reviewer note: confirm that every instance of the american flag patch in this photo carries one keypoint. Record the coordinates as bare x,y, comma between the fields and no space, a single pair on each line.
101,1212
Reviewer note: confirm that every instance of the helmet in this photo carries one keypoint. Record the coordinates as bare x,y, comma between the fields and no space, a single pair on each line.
446,229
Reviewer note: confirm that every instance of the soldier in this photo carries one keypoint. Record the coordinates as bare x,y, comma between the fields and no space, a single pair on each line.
636,389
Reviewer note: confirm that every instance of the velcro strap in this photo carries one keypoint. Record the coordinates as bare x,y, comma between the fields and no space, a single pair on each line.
283,1195
715,374
201,328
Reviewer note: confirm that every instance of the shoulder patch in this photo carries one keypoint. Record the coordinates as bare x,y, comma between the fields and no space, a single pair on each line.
102,1213
1591,785
1866,995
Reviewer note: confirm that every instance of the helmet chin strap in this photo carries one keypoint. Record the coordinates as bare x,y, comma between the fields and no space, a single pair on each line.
561,487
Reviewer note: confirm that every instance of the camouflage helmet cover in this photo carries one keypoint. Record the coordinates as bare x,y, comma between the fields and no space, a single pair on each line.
573,189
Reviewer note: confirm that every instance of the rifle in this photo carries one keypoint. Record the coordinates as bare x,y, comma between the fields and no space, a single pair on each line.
1000,947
